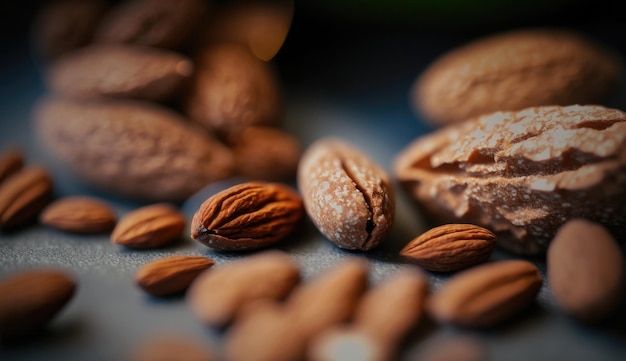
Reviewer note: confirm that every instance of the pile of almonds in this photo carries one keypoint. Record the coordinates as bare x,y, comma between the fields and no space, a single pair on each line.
159,112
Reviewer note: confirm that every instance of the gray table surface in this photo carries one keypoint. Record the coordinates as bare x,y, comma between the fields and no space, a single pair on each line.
367,105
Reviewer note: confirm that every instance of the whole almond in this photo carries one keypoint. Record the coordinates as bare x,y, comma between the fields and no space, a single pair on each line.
218,295
486,295
586,270
30,299
347,196
168,347
150,226
120,71
11,161
232,89
79,214
170,275
23,195
451,247
515,70
247,216
131,148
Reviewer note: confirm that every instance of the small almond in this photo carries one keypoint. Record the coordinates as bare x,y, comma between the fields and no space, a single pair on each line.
247,216
221,294
11,161
30,299
451,247
149,227
79,215
171,275
23,195
486,295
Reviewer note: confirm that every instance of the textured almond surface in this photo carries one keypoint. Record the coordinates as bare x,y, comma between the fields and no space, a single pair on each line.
247,216
486,295
218,295
149,227
586,270
133,149
348,197
11,161
122,71
170,275
31,298
23,196
515,70
451,247
522,174
158,23
79,214
232,89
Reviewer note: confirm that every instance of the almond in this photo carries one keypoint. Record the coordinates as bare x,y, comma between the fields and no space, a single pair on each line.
79,215
451,247
11,161
149,227
23,196
217,296
247,216
486,295
170,347
586,271
30,299
171,275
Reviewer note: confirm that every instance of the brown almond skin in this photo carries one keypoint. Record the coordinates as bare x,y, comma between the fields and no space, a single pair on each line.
218,295
11,161
515,70
132,149
265,153
586,271
119,71
486,295
23,196
247,216
79,214
170,275
170,347
231,90
157,23
30,300
450,247
149,227
348,197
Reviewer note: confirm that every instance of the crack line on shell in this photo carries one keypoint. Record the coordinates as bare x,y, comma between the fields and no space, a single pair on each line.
369,224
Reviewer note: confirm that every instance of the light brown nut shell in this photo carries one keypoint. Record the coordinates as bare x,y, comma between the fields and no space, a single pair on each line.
119,71
149,226
515,70
348,197
170,275
133,149
522,174
79,214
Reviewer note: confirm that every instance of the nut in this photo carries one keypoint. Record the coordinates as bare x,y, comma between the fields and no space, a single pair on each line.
11,161
486,295
79,215
247,216
132,149
120,71
23,195
217,296
515,70
170,275
30,299
231,90
149,227
346,195
451,247
522,174
169,347
586,271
